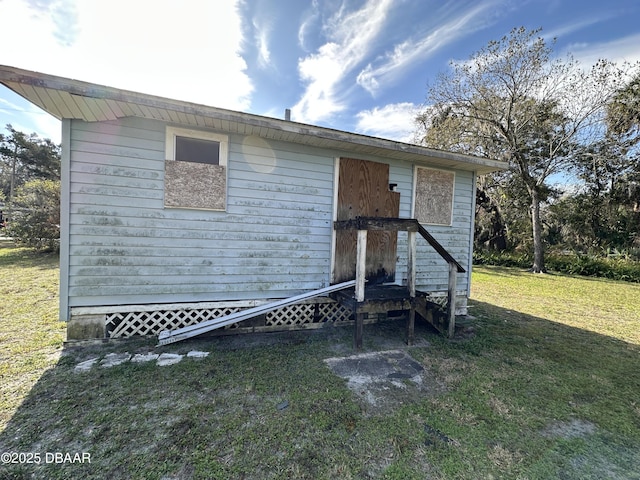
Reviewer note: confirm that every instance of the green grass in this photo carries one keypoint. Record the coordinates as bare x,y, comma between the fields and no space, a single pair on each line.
546,387
602,306
30,334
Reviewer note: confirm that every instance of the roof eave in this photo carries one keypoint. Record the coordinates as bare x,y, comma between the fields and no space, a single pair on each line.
68,98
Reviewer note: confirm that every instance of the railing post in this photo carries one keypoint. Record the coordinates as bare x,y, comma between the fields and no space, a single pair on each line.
361,264
361,273
451,300
411,284
411,266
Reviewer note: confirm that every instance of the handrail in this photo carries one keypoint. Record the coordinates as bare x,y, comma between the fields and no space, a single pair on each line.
408,224
439,248
412,226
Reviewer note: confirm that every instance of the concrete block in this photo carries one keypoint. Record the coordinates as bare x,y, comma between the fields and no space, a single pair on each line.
85,366
86,327
168,359
113,359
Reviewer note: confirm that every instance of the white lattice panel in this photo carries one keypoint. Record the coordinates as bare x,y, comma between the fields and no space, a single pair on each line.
439,299
153,322
308,313
127,324
334,312
297,314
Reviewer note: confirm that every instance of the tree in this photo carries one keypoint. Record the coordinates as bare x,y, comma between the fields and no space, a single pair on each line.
36,219
623,112
605,214
511,101
23,158
30,184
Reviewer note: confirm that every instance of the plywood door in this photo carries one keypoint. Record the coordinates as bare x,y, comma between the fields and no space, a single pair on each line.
363,190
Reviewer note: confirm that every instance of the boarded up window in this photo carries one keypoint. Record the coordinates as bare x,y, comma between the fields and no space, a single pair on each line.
195,169
434,196
194,185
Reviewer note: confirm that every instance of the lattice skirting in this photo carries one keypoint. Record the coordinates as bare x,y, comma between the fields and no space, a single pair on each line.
313,313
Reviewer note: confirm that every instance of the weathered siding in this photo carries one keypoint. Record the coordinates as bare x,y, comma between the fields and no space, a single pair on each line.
432,270
273,241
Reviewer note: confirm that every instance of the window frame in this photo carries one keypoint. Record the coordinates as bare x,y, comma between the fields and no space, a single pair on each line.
173,132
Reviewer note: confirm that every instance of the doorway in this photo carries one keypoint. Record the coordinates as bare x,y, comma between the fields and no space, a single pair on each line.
364,191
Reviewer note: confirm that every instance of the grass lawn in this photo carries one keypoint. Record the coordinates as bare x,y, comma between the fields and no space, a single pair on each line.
547,387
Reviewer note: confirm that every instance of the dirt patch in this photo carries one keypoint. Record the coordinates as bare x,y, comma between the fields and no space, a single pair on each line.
384,380
574,429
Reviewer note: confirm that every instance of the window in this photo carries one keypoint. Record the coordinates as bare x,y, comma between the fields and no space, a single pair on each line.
195,169
433,201
197,150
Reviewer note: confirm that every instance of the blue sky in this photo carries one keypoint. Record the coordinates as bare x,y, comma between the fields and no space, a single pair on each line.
357,65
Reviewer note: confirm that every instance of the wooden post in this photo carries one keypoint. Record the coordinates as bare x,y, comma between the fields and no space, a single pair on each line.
411,284
361,273
411,266
357,338
451,300
411,323
361,265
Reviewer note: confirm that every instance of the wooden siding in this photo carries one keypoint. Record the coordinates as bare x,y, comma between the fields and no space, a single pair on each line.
125,247
273,241
433,271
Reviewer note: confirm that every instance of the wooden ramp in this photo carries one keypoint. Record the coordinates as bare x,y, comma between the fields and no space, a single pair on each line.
171,336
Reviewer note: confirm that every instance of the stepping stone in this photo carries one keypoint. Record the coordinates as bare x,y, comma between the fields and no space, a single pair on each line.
85,366
168,359
113,359
144,357
197,354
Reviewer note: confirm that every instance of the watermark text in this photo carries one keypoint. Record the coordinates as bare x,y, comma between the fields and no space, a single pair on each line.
37,458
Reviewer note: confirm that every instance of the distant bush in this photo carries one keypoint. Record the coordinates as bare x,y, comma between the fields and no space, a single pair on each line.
502,259
590,266
572,264
35,222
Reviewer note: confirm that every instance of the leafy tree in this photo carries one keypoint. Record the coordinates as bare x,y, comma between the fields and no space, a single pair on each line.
512,101
605,214
36,219
623,112
26,157
30,185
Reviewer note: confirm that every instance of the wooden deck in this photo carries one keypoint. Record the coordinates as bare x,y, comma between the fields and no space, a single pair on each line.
379,299
404,297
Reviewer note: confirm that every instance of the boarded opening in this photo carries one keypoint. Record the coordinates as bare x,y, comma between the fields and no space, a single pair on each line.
363,191
434,196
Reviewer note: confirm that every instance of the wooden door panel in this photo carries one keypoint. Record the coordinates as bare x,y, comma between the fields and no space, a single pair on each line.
363,191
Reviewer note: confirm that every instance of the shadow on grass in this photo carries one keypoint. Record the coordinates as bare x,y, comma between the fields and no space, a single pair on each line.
523,397
11,256
510,272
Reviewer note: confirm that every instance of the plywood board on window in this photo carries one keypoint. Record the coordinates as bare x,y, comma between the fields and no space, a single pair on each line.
194,185
434,196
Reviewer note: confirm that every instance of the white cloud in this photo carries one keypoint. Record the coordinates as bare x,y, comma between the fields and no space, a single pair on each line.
264,58
618,50
349,39
47,127
262,31
393,121
188,51
307,24
574,26
28,118
412,51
